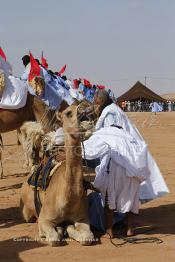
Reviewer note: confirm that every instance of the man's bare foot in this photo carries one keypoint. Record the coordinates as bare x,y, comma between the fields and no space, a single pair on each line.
130,224
109,233
130,232
109,217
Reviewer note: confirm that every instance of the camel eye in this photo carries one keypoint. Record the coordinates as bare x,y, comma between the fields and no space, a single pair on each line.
69,114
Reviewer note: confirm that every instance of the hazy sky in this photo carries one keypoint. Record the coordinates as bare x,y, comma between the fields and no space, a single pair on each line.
111,42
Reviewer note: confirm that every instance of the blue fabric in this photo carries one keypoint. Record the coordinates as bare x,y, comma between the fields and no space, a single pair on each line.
87,92
89,95
62,82
51,97
81,87
55,91
97,214
62,90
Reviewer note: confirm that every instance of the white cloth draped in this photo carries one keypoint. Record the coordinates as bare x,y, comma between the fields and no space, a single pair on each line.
15,92
130,158
14,95
123,167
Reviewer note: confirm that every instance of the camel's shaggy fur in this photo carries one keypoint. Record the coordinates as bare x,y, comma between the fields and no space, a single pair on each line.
48,143
30,136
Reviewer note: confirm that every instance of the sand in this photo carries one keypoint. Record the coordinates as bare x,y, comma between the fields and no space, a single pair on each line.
159,133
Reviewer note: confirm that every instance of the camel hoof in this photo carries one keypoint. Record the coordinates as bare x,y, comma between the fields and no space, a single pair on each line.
87,242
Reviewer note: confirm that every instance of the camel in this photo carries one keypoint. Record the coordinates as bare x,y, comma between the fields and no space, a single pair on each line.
65,199
34,110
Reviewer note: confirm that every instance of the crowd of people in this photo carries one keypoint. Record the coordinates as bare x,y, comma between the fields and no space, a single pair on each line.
147,106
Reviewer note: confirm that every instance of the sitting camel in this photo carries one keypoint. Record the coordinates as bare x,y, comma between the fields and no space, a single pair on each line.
65,200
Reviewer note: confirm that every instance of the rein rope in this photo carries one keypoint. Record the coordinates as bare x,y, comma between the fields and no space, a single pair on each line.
44,121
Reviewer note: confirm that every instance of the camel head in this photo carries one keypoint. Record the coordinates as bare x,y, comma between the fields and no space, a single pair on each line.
78,120
70,120
38,85
2,82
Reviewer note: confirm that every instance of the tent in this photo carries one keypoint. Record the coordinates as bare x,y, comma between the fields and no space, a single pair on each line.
140,92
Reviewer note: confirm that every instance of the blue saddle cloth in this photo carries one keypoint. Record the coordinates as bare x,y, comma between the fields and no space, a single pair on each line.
40,177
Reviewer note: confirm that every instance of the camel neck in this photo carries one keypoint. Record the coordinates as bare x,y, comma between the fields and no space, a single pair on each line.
74,171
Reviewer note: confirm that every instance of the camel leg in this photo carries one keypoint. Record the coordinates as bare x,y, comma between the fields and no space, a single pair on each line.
27,213
1,176
47,229
81,233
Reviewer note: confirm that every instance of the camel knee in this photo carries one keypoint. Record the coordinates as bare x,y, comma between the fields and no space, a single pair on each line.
48,230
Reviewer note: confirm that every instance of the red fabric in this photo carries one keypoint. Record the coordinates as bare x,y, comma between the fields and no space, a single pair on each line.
44,61
62,70
2,54
87,83
100,87
35,69
76,85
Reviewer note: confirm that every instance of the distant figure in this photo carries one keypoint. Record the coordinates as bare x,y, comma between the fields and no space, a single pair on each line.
124,105
129,106
169,106
155,107
26,63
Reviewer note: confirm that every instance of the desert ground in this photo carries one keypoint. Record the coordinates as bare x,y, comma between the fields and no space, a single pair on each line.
159,133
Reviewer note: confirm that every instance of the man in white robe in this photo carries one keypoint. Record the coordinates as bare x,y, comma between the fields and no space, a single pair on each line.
26,63
127,172
155,108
